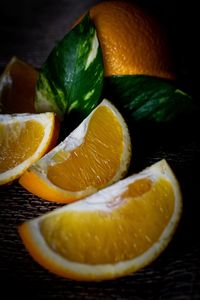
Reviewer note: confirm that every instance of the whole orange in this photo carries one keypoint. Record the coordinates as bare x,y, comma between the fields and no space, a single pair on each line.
131,40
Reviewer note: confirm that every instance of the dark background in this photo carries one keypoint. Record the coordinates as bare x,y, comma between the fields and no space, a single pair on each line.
29,30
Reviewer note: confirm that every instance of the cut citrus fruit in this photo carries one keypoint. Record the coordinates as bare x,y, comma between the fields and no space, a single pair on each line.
114,232
94,155
17,87
132,41
24,138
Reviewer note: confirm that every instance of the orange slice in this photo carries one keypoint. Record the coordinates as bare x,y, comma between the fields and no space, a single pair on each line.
24,138
94,155
114,232
17,87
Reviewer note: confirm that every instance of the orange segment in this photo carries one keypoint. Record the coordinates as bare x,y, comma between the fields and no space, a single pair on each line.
31,133
96,154
60,231
24,138
112,233
99,154
17,87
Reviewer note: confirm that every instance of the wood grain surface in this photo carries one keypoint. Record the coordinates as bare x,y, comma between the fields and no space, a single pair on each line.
29,30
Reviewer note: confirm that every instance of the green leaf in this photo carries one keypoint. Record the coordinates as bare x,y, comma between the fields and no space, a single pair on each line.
72,77
146,98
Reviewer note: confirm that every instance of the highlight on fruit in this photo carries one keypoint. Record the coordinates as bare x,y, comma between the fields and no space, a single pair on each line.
118,224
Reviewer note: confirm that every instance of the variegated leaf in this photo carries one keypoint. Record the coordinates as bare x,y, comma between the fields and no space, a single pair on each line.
72,77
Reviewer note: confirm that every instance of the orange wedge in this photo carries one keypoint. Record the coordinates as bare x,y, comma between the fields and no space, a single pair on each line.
96,154
24,138
17,87
112,233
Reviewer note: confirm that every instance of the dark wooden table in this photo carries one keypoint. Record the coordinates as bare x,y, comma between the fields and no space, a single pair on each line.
29,30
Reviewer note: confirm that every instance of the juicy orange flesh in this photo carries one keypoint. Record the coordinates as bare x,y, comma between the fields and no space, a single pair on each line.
95,161
132,223
18,142
18,88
